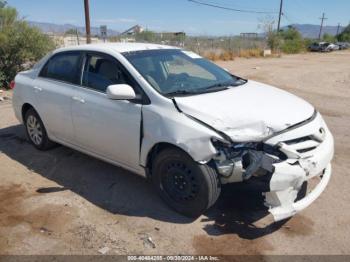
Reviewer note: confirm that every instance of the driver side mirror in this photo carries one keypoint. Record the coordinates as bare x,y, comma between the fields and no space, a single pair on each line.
120,92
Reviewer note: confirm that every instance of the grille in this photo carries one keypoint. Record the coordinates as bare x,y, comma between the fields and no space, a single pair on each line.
304,144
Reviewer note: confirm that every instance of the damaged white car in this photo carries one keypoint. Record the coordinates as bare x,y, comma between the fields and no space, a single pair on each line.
184,122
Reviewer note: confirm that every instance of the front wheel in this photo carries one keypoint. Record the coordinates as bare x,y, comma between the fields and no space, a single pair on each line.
185,185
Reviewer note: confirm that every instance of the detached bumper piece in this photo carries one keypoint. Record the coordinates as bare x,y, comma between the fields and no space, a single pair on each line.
282,203
307,151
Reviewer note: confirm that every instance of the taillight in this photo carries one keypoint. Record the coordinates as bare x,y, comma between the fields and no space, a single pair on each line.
12,84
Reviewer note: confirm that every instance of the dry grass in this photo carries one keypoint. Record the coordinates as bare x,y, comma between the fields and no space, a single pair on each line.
247,53
224,55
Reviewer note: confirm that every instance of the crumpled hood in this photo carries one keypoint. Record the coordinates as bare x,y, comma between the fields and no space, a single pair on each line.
250,112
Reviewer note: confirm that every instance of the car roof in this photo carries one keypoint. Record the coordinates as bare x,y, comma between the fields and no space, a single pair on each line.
116,47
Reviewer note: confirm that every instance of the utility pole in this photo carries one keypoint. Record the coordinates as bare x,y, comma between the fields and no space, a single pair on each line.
77,34
279,17
338,29
87,21
321,27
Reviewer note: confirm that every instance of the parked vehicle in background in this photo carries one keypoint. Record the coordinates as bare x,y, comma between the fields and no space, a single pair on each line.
177,118
323,47
333,47
343,45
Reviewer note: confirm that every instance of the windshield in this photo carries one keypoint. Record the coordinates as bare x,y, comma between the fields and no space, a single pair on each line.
175,72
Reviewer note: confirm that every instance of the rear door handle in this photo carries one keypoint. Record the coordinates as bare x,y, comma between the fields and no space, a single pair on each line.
78,99
37,89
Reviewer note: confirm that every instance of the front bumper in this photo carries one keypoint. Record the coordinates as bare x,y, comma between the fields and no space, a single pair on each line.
305,152
301,166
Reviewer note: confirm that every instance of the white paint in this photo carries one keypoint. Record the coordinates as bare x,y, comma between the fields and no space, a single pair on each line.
192,54
288,179
249,112
120,92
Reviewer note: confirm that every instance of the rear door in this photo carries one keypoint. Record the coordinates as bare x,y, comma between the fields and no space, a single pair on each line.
109,128
54,90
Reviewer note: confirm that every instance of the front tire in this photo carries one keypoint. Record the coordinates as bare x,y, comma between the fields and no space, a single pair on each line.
186,186
36,131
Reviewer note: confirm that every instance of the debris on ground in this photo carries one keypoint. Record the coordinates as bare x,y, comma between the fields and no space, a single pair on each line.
103,250
45,230
3,97
147,241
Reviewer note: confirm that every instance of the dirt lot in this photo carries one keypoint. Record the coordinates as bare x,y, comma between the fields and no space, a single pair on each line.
64,202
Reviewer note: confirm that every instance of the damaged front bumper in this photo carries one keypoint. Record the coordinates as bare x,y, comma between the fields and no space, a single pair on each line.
301,153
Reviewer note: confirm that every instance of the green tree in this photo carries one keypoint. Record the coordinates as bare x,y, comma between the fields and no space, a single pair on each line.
2,3
292,41
329,38
20,45
273,39
345,35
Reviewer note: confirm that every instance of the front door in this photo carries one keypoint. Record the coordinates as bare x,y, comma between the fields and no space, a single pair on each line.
109,128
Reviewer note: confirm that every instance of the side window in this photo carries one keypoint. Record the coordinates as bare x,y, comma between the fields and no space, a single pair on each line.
63,67
101,72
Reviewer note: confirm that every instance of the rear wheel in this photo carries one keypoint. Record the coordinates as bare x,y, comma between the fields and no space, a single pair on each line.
186,186
36,131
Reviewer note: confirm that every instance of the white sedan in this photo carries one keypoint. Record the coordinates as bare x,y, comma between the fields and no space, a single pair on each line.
182,121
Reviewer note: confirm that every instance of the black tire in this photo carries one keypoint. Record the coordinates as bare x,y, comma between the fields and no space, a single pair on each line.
42,142
186,186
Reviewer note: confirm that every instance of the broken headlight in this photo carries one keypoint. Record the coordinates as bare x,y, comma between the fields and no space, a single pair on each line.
252,158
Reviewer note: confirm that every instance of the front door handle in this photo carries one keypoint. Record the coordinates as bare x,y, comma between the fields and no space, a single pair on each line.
37,89
78,99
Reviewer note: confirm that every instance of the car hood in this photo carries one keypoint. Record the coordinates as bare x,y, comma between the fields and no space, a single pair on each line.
250,112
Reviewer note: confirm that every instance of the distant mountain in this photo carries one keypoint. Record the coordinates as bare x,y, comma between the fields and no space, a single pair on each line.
312,31
61,29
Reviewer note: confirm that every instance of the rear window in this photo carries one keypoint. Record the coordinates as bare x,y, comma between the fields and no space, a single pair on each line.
41,62
62,67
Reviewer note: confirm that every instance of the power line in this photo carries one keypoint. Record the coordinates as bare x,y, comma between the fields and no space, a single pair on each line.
288,17
231,9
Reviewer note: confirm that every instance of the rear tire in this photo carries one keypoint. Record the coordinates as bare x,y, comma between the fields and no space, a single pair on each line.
186,186
36,131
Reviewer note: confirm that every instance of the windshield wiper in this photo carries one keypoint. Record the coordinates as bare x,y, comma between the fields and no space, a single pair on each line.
180,92
223,86
217,87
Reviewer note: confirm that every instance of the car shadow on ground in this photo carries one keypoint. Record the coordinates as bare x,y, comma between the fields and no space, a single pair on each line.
120,192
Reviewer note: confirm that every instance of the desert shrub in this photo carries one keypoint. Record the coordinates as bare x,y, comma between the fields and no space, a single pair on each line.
247,53
227,55
344,36
20,45
214,56
293,46
329,38
292,41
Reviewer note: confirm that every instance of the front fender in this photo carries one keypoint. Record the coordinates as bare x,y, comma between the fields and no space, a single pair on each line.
173,127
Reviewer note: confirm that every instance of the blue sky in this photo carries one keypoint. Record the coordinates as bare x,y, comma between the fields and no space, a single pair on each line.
181,15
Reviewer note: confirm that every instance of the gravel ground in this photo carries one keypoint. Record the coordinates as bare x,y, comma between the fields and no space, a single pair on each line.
64,202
